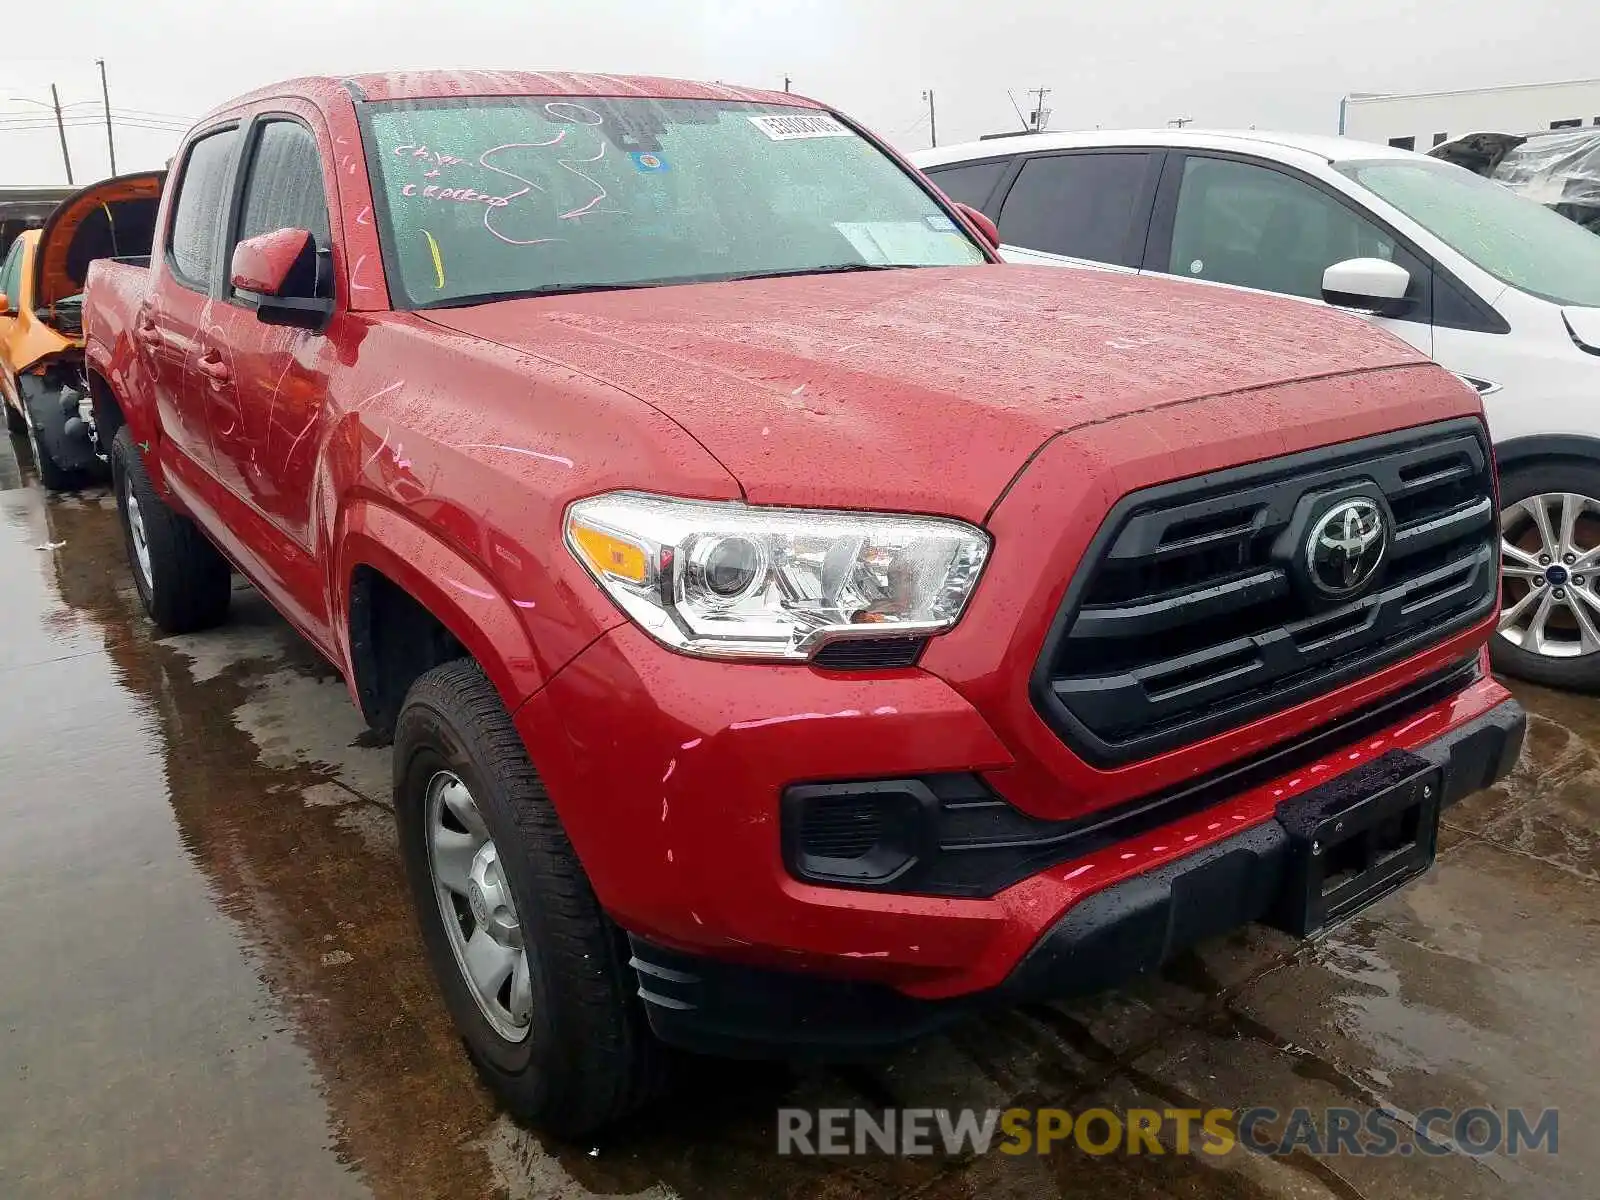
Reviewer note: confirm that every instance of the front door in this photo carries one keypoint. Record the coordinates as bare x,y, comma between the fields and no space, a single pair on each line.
268,398
1249,224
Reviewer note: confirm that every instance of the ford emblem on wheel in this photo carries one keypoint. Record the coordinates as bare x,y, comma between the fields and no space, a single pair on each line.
1346,545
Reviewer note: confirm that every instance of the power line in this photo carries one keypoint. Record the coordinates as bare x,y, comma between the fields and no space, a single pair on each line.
82,122
911,126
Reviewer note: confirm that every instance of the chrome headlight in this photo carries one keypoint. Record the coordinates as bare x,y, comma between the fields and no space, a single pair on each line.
728,580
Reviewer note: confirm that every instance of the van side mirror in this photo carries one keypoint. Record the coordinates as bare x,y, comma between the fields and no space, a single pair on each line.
1373,285
986,228
280,270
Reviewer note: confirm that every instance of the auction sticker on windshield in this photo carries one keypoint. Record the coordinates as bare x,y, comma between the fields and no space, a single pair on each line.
793,128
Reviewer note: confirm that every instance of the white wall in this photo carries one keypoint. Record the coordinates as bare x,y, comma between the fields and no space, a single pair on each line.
1489,110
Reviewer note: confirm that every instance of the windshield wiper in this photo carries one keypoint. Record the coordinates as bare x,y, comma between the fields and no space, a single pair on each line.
559,289
827,269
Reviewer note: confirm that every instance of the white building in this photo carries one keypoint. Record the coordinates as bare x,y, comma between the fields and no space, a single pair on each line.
1425,119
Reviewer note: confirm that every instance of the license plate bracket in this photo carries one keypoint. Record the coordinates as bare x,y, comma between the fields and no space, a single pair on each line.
1355,839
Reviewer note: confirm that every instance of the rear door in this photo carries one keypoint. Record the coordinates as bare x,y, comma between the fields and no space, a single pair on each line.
172,323
1244,222
1087,208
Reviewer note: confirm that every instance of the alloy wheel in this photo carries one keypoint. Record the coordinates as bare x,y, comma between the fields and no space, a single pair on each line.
1550,573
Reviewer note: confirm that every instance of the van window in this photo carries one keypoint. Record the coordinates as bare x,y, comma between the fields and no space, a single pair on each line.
192,240
969,183
1081,205
1256,227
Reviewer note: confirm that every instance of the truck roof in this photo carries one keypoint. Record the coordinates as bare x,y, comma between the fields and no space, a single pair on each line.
429,85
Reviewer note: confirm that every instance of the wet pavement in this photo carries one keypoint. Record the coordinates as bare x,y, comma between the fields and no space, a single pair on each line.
210,984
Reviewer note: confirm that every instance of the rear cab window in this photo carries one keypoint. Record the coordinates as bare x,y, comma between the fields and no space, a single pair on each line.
509,196
1092,206
196,226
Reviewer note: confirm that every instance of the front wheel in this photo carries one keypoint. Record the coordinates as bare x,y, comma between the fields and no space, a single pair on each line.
533,973
1550,575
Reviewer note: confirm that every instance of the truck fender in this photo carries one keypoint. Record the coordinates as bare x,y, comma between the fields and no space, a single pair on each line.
455,591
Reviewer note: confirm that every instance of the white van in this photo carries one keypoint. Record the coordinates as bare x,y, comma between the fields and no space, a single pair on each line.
1498,289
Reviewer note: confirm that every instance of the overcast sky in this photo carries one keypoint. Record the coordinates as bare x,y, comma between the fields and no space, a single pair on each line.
1270,63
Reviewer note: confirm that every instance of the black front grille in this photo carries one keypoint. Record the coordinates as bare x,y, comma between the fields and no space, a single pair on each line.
870,654
841,827
1194,611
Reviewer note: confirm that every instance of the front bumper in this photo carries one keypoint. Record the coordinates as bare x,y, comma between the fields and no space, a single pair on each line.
668,773
1130,928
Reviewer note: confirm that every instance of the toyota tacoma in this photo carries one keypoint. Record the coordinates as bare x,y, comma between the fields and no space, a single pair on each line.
795,628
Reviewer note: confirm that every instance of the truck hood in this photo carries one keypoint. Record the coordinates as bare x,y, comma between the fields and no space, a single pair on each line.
921,390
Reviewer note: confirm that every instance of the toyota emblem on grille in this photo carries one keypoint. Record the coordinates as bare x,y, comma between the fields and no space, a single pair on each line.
1346,545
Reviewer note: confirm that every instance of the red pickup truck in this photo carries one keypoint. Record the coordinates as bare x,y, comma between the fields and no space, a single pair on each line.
795,628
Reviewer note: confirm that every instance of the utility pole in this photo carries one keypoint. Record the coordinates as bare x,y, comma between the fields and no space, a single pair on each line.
1040,116
1180,122
786,83
933,128
62,130
105,92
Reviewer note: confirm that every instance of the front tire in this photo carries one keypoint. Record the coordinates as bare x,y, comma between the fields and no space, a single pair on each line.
1550,575
535,976
183,581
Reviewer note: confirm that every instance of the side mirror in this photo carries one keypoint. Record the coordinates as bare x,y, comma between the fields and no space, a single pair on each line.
280,269
986,228
1368,284
5,303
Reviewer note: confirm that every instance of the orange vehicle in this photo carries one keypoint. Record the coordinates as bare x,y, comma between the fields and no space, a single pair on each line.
41,319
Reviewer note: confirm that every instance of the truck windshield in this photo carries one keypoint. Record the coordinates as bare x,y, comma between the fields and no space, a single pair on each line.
484,199
1514,239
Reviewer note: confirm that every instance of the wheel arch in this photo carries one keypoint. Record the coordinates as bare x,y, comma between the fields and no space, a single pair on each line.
1522,451
408,602
108,412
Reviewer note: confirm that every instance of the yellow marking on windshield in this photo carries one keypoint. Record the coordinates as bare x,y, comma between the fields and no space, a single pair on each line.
438,262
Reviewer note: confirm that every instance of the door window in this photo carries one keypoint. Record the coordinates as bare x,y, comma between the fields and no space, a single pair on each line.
284,190
284,187
970,183
1250,225
1082,205
192,241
